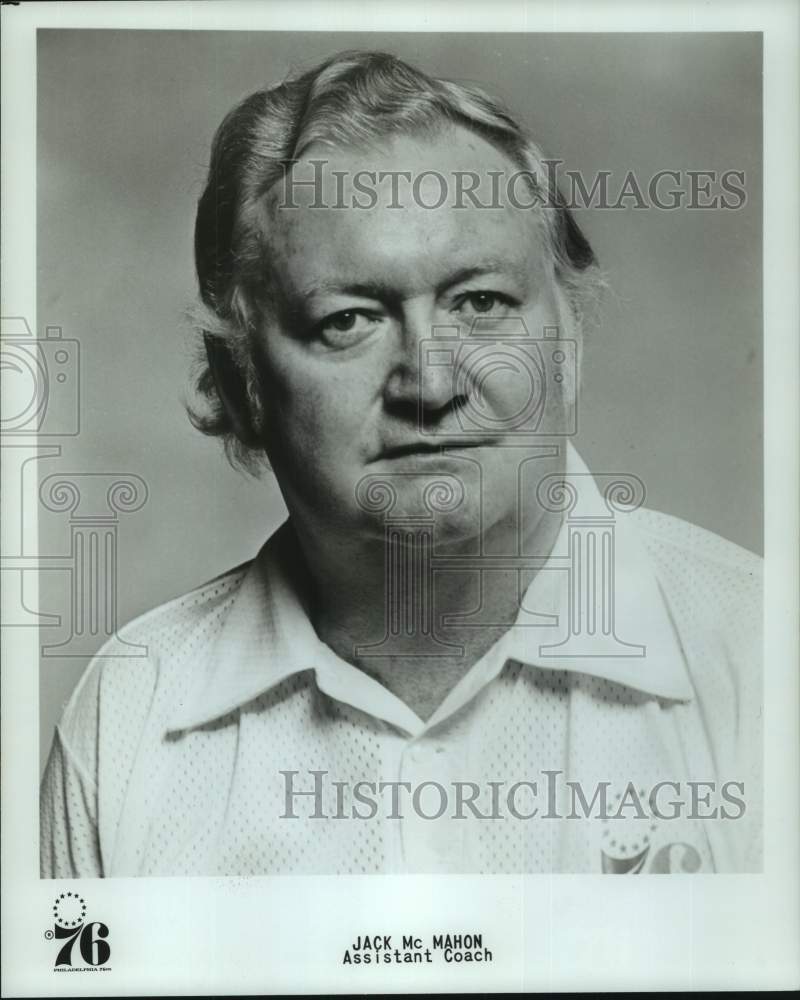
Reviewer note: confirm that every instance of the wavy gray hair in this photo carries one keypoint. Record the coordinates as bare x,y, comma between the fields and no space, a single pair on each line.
353,97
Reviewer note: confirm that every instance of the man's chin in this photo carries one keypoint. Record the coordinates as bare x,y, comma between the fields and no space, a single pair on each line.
410,524
439,488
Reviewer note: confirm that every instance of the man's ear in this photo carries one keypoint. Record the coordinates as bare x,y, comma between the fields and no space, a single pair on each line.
233,390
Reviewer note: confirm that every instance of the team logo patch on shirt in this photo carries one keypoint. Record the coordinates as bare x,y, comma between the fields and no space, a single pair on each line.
633,845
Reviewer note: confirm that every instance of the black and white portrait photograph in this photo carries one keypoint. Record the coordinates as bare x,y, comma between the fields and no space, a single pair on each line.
385,471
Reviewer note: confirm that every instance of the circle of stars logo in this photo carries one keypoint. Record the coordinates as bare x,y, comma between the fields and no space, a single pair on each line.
613,844
69,909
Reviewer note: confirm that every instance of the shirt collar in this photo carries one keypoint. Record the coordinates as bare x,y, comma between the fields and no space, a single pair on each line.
268,636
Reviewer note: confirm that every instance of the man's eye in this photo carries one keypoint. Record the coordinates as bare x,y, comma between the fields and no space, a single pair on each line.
483,303
346,327
343,321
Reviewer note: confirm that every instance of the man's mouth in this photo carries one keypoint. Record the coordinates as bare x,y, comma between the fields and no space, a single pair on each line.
433,447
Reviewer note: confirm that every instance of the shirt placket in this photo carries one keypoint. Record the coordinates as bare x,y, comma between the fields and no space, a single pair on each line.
392,748
431,838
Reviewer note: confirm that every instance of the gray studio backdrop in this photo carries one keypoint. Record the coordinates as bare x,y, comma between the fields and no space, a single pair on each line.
672,379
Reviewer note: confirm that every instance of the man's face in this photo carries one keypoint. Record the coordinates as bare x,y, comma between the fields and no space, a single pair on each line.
352,389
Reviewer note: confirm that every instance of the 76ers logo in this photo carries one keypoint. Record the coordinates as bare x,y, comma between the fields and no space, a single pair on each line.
71,927
637,844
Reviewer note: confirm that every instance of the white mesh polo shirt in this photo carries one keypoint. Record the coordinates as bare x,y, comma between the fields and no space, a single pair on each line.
242,745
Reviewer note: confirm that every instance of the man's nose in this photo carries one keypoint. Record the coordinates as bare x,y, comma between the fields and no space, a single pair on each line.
422,372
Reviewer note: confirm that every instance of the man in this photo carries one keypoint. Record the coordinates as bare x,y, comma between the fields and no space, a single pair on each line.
461,652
